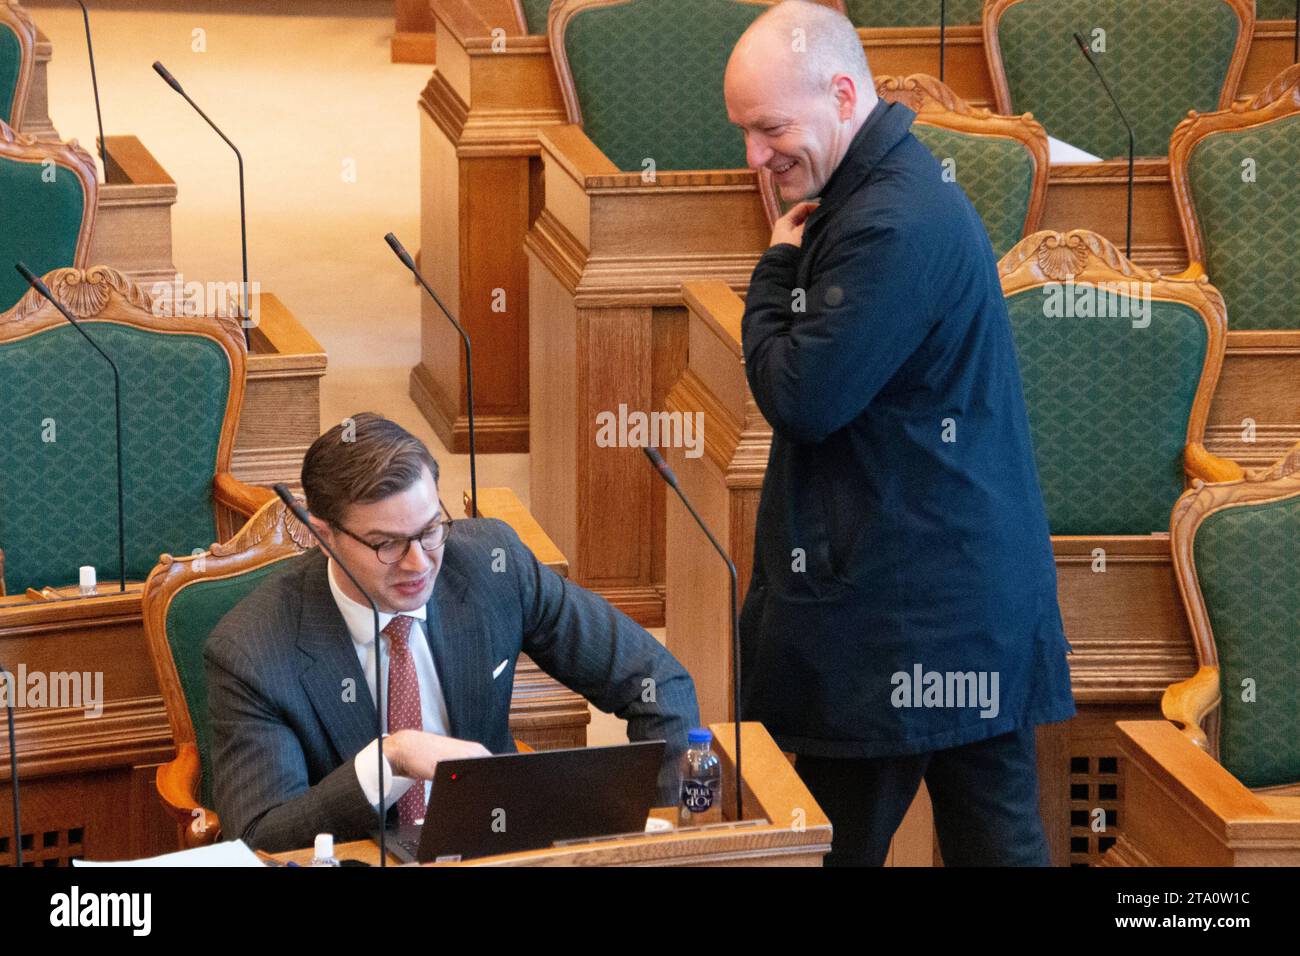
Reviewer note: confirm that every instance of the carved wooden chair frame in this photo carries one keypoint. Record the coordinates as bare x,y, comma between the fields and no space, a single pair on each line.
935,104
67,156
1280,99
272,535
16,19
1085,256
1193,704
101,294
994,10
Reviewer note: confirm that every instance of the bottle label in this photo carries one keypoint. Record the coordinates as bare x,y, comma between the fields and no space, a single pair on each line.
696,796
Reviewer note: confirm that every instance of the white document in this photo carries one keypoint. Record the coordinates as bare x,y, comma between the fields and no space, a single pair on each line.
1059,151
235,853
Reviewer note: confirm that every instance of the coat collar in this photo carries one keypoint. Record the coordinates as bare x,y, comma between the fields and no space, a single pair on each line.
886,126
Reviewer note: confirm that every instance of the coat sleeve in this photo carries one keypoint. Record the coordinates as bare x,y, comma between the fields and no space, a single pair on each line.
260,784
814,371
583,642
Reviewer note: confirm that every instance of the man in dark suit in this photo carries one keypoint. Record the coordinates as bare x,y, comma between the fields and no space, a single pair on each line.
901,622
291,668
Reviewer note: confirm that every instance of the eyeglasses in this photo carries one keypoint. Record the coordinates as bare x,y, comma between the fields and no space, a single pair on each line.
395,550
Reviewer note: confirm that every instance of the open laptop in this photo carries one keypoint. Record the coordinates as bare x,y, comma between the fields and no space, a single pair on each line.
483,806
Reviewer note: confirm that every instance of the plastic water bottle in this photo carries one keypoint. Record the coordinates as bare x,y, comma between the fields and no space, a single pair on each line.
701,801
324,855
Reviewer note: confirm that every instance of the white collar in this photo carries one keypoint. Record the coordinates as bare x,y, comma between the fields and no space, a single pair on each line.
358,617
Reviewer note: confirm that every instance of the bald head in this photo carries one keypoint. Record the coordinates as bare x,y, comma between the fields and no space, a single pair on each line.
808,42
799,87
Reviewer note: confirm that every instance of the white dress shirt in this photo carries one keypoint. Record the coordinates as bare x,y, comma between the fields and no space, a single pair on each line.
433,707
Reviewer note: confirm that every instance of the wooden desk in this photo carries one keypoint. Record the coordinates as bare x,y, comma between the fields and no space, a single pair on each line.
788,828
1184,809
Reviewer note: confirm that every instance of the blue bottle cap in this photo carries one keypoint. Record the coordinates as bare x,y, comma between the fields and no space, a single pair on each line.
699,735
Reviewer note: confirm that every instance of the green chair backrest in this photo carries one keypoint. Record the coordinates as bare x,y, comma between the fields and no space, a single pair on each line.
1245,562
911,13
1250,227
42,208
997,174
535,13
58,490
648,77
192,614
1108,405
1162,58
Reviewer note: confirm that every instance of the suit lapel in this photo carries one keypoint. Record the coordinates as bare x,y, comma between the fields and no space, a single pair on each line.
460,651
332,676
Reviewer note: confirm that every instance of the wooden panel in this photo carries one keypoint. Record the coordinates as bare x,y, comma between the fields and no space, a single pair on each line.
281,416
1255,416
480,115
553,385
902,51
1094,196
35,120
133,222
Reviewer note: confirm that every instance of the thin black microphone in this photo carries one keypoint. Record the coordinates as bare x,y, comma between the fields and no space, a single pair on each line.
40,287
666,473
1295,39
301,514
94,85
943,31
243,219
400,250
10,693
1128,228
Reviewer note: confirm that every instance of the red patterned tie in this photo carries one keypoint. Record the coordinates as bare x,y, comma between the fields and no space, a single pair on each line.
404,705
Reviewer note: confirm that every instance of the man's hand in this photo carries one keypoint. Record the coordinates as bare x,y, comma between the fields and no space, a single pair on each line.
789,228
414,753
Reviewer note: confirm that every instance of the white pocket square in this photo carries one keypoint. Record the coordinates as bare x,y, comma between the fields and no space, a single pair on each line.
500,667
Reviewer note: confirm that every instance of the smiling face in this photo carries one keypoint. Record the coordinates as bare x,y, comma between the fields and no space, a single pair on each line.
798,119
408,584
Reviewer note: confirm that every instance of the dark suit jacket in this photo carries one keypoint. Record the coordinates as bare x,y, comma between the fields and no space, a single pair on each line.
278,665
901,523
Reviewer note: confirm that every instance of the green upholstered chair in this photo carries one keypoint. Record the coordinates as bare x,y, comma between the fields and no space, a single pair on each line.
1162,58
643,78
1236,180
1117,401
532,14
1234,550
17,62
182,380
909,13
48,194
184,598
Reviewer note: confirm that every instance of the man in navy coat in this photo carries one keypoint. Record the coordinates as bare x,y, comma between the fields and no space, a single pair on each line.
902,622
